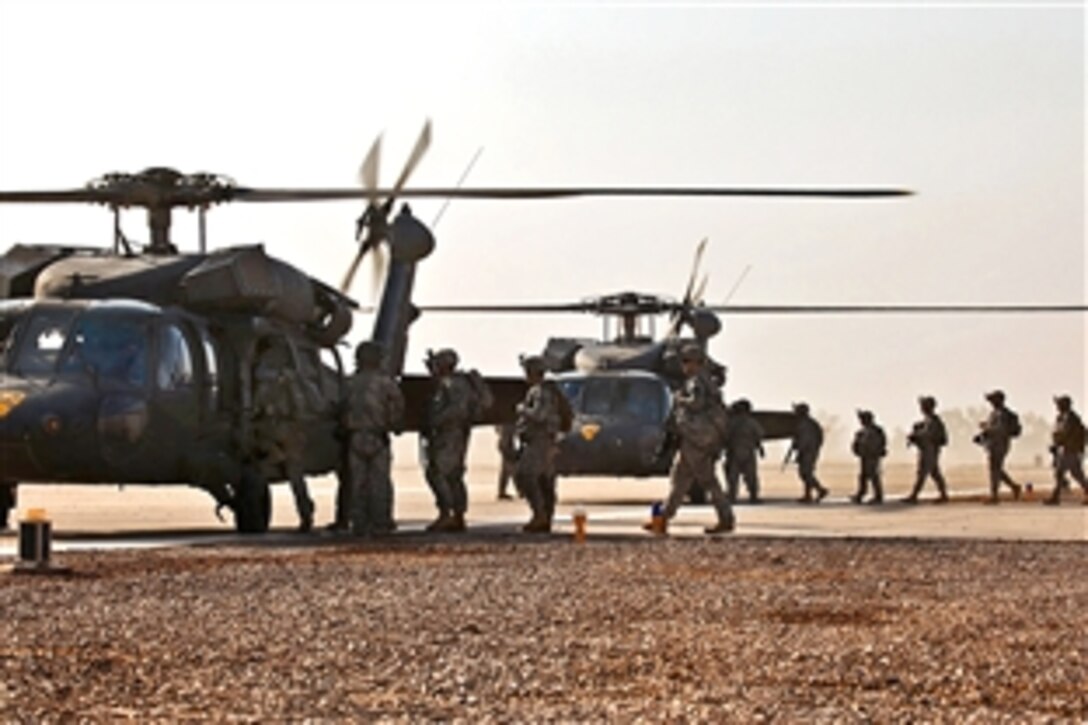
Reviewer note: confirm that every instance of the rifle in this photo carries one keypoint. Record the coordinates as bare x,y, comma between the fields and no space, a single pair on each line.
788,457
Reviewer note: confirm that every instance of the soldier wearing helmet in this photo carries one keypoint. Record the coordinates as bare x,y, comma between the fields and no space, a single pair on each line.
375,409
279,421
539,422
808,438
448,425
743,447
929,436
995,435
698,420
870,446
1067,449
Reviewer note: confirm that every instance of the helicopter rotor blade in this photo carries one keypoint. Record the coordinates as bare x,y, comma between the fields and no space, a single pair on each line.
349,276
895,309
379,262
526,308
252,194
680,312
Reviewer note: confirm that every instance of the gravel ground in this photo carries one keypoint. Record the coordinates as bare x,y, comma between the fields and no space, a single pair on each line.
506,629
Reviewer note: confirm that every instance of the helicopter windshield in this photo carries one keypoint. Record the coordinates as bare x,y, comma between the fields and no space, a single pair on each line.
640,399
10,314
111,345
43,338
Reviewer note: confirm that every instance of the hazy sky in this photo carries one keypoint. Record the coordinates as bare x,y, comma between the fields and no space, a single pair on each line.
978,108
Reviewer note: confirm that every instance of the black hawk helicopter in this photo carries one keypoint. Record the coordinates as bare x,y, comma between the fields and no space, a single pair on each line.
620,385
136,366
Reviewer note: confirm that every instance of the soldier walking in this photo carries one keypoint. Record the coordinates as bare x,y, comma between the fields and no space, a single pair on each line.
448,427
929,436
538,427
375,409
808,438
743,448
1067,449
697,420
870,446
996,435
508,457
279,420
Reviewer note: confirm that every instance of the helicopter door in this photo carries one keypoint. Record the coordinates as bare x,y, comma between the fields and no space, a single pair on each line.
176,397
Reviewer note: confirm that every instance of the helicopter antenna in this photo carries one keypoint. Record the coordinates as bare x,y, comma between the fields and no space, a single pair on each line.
460,183
737,284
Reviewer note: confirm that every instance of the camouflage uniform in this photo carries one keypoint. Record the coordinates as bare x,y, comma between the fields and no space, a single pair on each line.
376,408
808,438
449,424
996,436
1068,449
743,443
696,420
929,435
870,445
538,423
508,456
279,426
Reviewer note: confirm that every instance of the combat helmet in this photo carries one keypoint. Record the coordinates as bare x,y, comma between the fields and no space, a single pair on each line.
741,405
532,364
927,402
691,352
444,358
997,397
865,416
1064,402
801,408
369,352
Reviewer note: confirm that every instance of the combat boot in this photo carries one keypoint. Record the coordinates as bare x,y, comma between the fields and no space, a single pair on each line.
439,524
1015,491
943,498
539,524
822,494
456,524
1054,499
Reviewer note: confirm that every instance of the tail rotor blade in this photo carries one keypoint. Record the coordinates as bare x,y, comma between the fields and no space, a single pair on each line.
422,144
349,277
368,171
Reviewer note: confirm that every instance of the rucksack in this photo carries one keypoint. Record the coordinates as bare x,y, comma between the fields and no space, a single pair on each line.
482,398
1012,422
566,413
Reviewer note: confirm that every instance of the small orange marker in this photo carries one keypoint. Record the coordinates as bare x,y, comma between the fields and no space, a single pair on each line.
579,518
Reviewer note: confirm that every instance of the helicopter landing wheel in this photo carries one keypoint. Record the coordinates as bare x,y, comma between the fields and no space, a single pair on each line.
253,511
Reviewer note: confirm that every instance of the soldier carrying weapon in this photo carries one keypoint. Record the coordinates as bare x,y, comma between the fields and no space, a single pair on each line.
1067,449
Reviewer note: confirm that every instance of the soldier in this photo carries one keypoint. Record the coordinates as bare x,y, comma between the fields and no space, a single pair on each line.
929,436
449,424
375,409
279,420
870,445
1067,449
808,438
697,421
743,443
995,435
508,457
538,428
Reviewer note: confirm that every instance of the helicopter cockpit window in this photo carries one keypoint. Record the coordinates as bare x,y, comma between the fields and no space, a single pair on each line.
44,338
109,346
637,399
9,316
175,368
572,389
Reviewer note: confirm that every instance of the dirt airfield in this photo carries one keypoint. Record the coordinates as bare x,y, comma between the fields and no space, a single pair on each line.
831,613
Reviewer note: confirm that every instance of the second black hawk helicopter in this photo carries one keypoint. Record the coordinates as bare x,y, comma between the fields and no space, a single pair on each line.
136,366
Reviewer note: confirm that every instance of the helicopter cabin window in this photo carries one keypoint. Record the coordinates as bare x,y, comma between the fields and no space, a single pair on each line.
211,366
43,340
110,347
630,398
175,369
9,316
